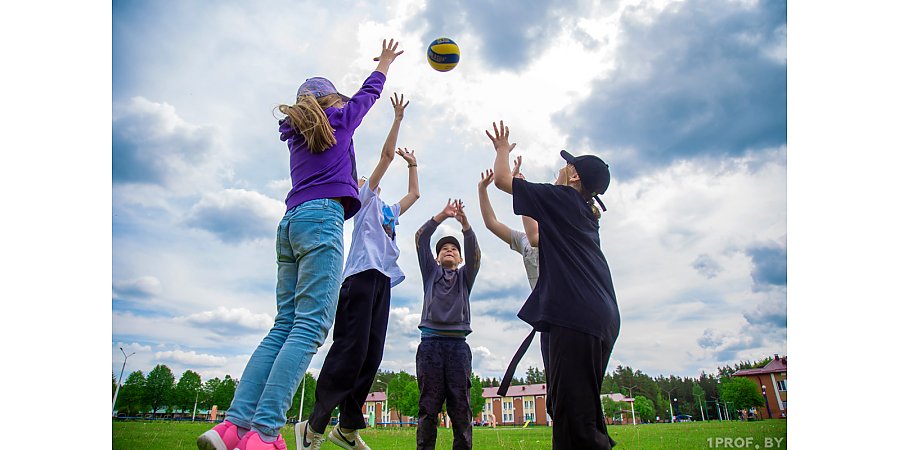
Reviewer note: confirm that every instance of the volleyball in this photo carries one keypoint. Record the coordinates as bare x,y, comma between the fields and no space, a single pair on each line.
443,54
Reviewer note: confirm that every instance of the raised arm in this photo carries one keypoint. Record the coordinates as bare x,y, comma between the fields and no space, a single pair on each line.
412,193
531,230
502,174
530,225
427,264
387,151
487,211
470,246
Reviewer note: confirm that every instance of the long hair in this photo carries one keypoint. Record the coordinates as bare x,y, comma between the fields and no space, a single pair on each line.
307,117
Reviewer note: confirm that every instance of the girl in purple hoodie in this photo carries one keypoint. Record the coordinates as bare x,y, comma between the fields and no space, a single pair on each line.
318,131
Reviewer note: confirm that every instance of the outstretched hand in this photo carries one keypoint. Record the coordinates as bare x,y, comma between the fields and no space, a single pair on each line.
487,177
449,210
517,166
388,51
500,138
399,106
408,155
461,214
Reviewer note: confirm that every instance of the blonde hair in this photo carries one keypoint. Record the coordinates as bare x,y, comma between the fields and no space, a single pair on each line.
307,117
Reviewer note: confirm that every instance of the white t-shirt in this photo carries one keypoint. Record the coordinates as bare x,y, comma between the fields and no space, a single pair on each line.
374,239
519,243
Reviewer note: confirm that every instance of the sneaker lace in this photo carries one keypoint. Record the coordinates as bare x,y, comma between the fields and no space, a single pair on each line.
316,440
359,441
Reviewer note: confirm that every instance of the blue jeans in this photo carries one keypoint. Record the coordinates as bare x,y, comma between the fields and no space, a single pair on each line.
310,250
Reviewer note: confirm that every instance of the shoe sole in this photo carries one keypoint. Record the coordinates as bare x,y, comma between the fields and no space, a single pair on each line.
211,441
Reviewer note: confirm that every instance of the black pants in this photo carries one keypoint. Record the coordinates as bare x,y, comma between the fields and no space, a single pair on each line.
577,364
545,356
352,362
443,368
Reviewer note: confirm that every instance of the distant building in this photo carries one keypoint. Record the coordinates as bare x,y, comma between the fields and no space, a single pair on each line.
376,403
771,381
521,404
623,416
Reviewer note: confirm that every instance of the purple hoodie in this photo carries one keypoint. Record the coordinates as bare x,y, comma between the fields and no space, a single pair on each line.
332,173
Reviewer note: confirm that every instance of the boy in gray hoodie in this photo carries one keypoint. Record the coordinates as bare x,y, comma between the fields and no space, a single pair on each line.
444,360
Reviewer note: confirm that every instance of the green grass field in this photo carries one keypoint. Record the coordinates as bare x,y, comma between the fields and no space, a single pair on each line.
665,436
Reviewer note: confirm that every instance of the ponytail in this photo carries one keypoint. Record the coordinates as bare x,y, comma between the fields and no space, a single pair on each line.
307,117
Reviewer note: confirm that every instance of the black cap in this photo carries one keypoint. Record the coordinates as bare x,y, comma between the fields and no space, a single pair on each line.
447,240
594,174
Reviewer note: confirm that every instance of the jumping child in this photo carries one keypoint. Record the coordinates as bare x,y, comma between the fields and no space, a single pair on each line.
444,360
363,305
574,298
319,131
524,243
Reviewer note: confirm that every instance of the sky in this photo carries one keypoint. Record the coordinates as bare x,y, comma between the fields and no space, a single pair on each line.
686,101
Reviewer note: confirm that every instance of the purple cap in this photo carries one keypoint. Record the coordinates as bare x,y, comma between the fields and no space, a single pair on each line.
319,87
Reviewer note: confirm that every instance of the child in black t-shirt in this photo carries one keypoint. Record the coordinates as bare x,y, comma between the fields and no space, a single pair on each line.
573,299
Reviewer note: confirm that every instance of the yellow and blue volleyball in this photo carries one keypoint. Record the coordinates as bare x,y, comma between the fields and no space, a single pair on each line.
443,54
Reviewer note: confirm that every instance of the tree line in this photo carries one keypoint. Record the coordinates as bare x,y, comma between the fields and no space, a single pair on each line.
701,397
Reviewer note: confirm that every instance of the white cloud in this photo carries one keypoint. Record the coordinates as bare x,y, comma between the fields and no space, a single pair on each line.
190,358
235,215
229,321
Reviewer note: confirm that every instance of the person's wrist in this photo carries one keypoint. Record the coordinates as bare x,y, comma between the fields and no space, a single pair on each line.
411,164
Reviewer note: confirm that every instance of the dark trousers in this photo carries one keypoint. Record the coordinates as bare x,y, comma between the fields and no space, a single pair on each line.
577,364
443,368
351,364
545,356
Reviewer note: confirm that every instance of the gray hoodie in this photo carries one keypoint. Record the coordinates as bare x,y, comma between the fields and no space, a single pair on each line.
446,303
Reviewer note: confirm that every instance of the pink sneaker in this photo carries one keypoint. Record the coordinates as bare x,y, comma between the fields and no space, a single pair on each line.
223,436
252,441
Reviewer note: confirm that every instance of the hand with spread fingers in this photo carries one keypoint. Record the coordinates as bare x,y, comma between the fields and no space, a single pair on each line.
461,214
500,138
408,155
399,106
517,166
487,177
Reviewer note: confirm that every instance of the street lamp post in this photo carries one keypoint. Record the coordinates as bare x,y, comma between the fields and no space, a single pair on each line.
386,392
767,401
702,416
194,414
671,416
119,384
676,406
302,394
631,394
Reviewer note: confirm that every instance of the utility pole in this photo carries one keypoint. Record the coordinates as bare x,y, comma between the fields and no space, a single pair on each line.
631,394
119,384
302,394
195,405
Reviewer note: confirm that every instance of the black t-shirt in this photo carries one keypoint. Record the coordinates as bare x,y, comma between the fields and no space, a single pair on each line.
574,289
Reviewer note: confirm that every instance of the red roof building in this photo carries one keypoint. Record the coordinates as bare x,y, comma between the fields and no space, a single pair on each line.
772,383
521,404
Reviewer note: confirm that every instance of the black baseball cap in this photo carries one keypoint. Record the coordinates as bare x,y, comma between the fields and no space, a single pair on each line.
447,240
594,174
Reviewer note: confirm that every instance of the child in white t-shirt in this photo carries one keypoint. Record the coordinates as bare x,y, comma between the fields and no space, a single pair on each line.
363,304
